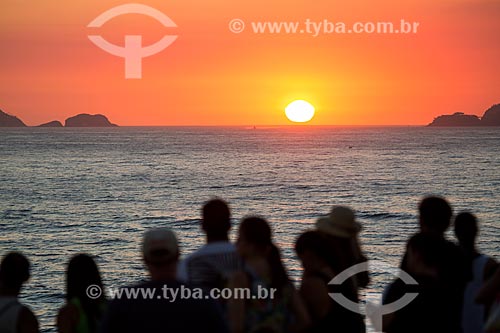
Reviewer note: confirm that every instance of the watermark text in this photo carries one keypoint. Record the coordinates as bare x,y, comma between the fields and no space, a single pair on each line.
323,27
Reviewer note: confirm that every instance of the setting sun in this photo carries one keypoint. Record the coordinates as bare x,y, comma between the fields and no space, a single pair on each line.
299,111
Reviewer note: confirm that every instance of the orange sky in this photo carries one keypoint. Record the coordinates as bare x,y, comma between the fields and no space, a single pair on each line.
49,70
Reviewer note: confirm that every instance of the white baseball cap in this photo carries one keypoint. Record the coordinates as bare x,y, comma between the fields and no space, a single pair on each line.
160,245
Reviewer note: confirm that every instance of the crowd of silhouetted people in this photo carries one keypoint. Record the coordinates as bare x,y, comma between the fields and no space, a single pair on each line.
458,288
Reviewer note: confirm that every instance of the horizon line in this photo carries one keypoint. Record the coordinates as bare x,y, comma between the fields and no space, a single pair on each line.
243,125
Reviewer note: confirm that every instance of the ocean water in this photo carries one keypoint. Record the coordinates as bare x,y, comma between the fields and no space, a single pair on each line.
66,191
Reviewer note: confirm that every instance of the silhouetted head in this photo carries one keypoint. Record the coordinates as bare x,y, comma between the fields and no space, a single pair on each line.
314,250
82,272
434,215
254,237
14,271
466,229
160,251
255,240
216,220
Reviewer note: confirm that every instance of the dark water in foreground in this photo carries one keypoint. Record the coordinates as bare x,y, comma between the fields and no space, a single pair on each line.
64,191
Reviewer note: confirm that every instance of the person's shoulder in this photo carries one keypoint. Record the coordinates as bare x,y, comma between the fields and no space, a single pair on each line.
196,253
27,320
208,250
490,267
213,248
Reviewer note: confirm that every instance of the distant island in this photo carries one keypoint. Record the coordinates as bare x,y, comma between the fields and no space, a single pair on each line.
490,118
88,120
80,120
6,120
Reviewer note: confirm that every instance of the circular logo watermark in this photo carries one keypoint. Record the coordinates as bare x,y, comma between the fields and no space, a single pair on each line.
373,311
133,51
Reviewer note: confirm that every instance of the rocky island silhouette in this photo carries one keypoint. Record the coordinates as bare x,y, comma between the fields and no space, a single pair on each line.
80,120
7,120
491,117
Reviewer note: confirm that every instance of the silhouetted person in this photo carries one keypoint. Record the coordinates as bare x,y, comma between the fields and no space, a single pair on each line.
341,227
153,308
81,313
482,266
283,309
212,265
15,317
428,312
488,295
449,262
322,263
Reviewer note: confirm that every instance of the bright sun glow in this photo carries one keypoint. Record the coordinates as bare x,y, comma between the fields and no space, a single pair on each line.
299,111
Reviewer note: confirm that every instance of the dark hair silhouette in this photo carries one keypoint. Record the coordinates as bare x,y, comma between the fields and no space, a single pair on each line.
336,252
83,272
256,230
14,271
318,243
435,215
216,218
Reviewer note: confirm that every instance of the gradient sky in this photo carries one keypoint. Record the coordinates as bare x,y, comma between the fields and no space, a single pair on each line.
49,70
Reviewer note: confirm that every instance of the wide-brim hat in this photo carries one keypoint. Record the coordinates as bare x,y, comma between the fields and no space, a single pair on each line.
341,222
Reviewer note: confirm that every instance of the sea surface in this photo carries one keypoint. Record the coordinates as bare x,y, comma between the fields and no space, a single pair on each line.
65,191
